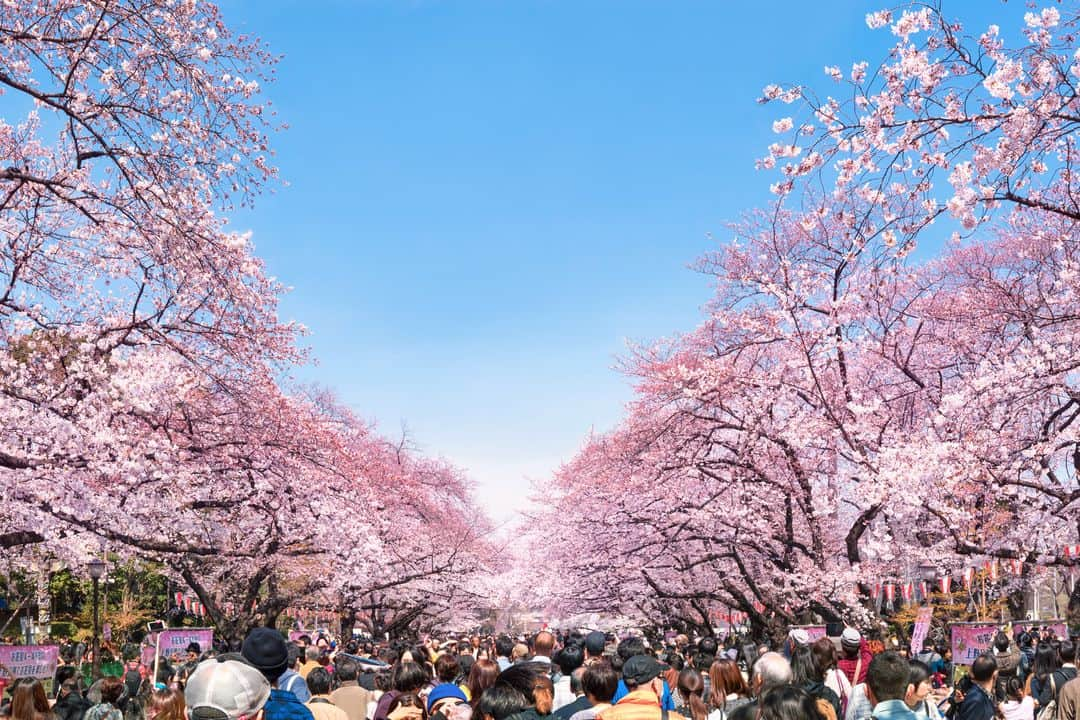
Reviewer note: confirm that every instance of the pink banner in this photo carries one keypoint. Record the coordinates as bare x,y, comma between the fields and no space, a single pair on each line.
922,628
969,641
29,661
173,643
148,651
1058,627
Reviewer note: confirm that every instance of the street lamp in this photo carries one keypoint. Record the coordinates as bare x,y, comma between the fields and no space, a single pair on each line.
97,571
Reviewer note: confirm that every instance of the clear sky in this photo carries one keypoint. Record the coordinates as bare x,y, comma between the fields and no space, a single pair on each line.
488,198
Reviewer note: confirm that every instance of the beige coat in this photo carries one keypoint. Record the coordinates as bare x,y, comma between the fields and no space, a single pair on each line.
1069,700
325,710
353,699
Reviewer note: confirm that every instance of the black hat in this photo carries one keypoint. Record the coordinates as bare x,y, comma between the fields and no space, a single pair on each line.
265,649
641,669
595,642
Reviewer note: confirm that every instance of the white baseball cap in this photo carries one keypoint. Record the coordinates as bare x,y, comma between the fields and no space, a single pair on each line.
225,690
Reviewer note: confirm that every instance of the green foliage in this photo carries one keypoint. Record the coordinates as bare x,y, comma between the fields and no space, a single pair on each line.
16,585
67,592
63,629
131,594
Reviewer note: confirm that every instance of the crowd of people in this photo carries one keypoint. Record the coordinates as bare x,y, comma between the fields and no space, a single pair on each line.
576,676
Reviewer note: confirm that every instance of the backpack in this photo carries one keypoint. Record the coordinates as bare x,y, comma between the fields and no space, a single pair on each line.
289,684
1050,712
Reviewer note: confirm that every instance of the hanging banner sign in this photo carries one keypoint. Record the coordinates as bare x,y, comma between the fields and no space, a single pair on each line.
1058,627
172,644
922,628
30,661
970,640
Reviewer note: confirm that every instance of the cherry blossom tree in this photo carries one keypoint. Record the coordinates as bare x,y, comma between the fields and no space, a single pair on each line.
845,411
435,550
122,285
965,130
144,399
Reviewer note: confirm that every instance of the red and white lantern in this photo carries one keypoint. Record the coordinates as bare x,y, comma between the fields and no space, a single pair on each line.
906,591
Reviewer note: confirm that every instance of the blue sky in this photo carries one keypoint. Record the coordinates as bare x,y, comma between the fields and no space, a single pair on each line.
489,198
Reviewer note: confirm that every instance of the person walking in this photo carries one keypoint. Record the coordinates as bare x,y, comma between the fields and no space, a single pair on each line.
267,651
645,690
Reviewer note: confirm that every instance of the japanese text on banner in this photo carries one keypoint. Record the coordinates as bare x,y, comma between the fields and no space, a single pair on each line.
30,661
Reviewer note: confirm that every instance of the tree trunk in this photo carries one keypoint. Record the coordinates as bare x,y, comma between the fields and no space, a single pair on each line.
1072,613
347,616
233,630
1015,602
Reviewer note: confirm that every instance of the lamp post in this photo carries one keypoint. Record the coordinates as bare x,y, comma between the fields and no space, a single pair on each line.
97,571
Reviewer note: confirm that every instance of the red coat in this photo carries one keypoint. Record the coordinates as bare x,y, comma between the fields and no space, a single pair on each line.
848,666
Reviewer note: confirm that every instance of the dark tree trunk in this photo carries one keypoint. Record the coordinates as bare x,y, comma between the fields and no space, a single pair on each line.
1072,613
1015,601
347,617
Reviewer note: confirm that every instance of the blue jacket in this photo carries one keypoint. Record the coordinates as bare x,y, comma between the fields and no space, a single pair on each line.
892,710
283,705
292,681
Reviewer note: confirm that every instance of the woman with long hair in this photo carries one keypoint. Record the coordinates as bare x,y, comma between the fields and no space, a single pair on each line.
806,674
29,702
1042,683
826,659
481,677
727,688
691,687
166,704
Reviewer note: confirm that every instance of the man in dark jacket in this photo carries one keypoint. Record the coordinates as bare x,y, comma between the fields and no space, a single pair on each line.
1007,656
70,705
266,650
1027,654
580,702
978,703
